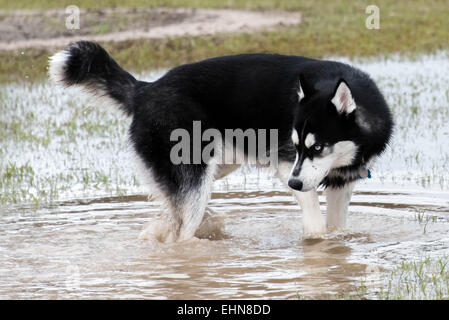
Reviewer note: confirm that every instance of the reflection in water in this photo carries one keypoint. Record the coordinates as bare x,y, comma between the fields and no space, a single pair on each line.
325,261
90,249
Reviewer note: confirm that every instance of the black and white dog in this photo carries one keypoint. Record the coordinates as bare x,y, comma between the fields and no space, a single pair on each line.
331,121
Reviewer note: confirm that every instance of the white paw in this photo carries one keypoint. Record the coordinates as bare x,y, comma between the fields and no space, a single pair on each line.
158,231
314,228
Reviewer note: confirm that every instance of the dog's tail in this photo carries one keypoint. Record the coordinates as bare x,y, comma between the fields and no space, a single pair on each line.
88,65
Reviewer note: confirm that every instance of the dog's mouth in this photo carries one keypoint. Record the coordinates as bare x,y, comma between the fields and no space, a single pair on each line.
296,183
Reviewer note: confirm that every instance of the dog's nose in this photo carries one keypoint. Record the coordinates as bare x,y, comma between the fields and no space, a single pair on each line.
295,184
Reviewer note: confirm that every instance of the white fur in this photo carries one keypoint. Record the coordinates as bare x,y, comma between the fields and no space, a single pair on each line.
56,66
56,71
314,225
343,100
313,222
158,230
146,176
344,152
310,140
361,120
294,165
195,204
300,93
337,205
313,171
295,137
181,222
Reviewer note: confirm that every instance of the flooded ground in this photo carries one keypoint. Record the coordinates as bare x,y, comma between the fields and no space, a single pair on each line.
71,207
89,249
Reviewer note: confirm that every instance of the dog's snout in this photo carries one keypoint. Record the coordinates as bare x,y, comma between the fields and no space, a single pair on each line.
296,171
295,184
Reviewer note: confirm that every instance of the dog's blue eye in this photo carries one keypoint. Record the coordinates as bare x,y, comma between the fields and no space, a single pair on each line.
318,147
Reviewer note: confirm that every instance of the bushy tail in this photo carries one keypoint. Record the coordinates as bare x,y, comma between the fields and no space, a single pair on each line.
88,65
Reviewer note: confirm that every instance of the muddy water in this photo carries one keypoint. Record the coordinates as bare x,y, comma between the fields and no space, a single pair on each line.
89,248
85,244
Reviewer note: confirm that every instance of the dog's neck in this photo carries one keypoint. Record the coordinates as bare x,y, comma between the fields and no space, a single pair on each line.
338,177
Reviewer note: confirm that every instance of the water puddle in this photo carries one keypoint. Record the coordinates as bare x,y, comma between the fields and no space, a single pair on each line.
89,248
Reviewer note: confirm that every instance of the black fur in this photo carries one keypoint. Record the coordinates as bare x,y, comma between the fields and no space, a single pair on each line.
318,115
90,65
244,91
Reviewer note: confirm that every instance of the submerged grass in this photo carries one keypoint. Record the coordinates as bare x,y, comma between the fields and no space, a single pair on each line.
51,145
424,279
68,141
328,28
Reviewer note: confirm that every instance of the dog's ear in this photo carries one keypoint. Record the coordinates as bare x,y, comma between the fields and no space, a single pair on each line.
342,98
304,88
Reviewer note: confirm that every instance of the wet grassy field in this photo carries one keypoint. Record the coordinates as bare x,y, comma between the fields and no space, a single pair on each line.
68,181
56,144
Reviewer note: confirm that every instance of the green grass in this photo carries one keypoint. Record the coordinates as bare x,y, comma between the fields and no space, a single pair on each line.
51,146
425,279
328,28
92,4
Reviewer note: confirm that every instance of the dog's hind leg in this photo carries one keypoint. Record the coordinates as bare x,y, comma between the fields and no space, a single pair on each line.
184,193
337,205
191,204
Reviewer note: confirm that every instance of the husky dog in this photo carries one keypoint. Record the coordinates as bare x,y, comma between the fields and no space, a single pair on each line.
331,118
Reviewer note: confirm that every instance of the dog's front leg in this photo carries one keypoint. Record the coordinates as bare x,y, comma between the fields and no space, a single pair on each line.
337,205
313,222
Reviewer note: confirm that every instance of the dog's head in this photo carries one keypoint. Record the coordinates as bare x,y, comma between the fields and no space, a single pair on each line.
323,132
